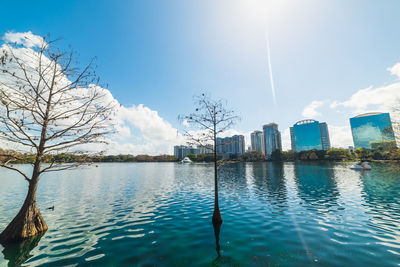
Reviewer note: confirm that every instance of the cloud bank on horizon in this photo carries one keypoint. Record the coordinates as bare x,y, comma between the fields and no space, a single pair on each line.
141,130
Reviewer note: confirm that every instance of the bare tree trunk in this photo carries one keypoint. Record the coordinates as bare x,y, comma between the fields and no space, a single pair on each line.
217,218
42,89
28,222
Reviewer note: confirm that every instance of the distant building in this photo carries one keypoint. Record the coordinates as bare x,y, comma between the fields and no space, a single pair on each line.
309,134
326,143
182,151
207,149
257,141
292,139
372,131
272,139
253,141
231,145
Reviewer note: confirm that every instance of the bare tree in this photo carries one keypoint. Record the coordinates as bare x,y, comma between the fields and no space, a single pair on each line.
46,106
211,118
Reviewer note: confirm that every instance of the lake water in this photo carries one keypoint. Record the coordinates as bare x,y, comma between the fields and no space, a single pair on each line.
275,214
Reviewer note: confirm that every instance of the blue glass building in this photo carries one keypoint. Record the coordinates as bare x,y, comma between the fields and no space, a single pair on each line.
272,139
372,130
310,134
257,141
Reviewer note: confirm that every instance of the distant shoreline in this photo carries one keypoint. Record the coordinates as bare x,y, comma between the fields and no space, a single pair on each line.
332,155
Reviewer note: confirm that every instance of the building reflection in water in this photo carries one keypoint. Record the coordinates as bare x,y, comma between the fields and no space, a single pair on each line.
380,191
233,179
269,183
316,185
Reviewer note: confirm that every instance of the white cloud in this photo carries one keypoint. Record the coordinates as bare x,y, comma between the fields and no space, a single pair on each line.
395,70
27,39
382,99
371,99
340,136
156,134
139,129
310,111
286,143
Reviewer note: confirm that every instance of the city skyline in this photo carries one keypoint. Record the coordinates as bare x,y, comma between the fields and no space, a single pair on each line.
283,72
369,130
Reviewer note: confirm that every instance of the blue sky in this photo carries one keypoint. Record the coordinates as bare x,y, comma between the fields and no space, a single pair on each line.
162,53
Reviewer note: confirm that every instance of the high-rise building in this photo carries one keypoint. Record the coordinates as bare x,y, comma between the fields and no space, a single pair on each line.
272,139
231,145
292,139
207,149
309,134
257,141
325,140
253,141
182,151
372,131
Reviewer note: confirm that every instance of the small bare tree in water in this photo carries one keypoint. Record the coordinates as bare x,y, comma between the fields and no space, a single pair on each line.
46,106
211,118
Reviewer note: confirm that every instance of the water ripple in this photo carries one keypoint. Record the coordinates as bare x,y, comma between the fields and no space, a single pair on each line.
291,214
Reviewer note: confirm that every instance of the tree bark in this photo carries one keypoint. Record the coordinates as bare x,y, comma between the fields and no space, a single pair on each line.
216,218
28,222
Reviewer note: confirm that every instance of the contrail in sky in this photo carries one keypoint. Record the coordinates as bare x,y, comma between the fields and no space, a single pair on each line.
271,78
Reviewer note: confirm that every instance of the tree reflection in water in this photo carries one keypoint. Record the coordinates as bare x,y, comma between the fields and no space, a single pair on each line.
18,253
217,229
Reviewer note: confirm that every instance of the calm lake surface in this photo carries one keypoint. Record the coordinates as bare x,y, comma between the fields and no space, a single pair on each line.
275,214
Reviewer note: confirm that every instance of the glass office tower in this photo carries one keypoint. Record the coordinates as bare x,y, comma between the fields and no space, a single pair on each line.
372,131
310,134
272,139
326,143
257,141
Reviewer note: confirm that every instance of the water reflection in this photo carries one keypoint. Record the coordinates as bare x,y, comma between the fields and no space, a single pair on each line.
382,197
160,215
18,253
233,176
217,229
316,185
269,183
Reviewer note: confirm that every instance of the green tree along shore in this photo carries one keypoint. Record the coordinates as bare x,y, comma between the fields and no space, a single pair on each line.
78,157
334,154
337,154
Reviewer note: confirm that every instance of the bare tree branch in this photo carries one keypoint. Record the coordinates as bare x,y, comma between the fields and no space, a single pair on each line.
210,119
47,105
